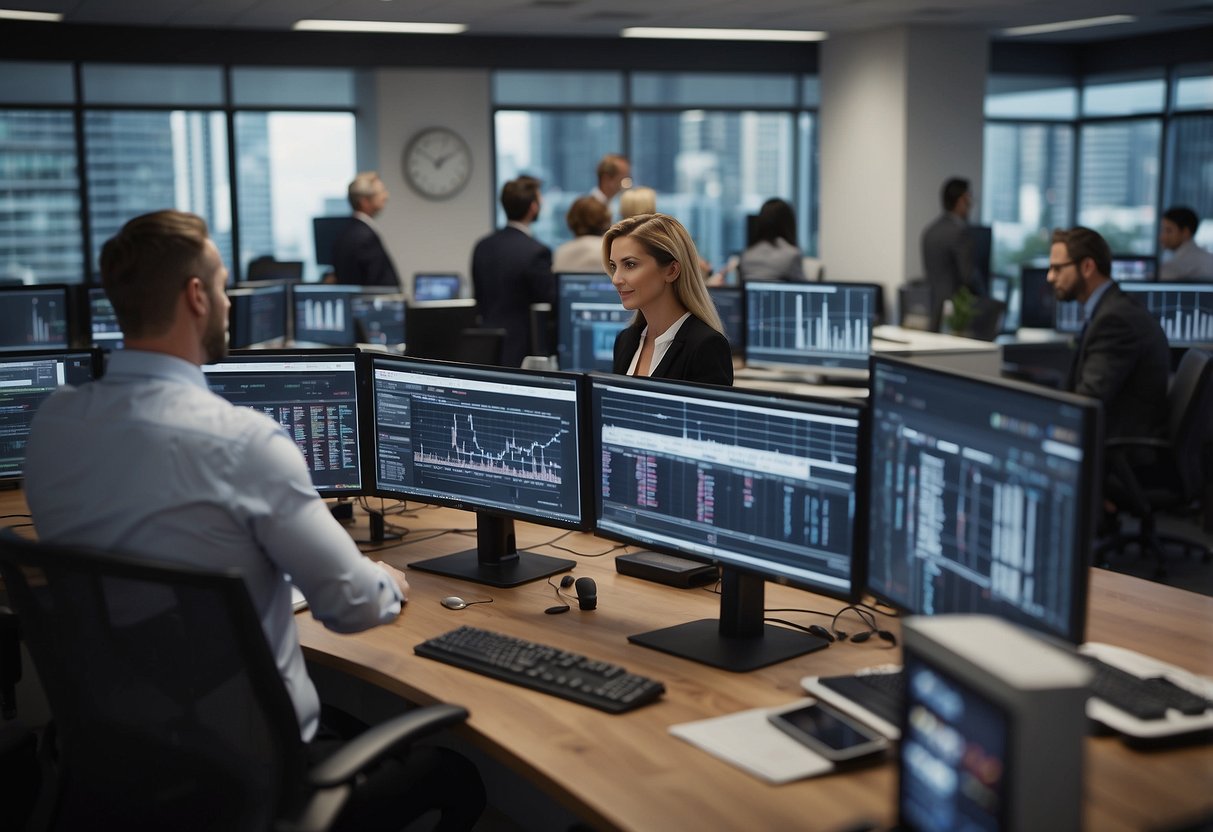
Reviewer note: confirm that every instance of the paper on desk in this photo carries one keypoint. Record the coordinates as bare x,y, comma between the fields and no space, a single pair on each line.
747,740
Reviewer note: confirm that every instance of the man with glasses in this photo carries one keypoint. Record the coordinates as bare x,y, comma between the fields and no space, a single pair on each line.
1121,357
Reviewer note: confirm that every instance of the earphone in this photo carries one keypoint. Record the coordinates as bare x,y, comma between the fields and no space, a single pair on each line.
587,594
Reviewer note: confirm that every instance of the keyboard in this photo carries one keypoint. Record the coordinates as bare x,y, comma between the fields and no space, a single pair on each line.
607,687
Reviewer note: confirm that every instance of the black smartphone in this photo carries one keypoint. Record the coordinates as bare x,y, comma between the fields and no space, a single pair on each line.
830,733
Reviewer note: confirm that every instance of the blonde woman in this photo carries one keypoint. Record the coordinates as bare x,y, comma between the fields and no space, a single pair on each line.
676,332
636,201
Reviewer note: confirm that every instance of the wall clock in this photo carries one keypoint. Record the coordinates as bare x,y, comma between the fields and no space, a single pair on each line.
437,163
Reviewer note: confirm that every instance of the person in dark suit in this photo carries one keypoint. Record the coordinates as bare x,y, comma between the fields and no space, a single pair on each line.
947,250
511,270
359,256
676,332
1122,357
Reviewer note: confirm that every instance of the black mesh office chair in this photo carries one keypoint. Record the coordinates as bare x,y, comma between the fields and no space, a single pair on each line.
1184,462
168,708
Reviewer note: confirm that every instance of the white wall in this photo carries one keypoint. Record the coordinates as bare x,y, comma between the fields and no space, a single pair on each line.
422,234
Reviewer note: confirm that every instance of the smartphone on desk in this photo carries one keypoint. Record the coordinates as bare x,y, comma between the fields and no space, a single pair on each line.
829,732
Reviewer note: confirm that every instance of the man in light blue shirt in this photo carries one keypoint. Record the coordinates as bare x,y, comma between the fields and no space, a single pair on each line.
148,462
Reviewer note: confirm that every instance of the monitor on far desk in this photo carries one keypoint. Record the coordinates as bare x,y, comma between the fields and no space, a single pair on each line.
773,488
730,305
810,327
258,316
589,315
438,286
1184,310
104,330
35,317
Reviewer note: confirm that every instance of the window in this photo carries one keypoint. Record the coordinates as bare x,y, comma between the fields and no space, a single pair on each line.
1118,176
1190,170
1124,95
1031,96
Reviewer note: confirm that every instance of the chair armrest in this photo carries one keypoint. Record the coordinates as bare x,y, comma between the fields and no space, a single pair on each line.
378,740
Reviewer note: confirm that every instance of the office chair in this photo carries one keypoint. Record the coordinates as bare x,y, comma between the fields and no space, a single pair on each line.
168,707
1184,461
479,346
267,268
916,307
985,322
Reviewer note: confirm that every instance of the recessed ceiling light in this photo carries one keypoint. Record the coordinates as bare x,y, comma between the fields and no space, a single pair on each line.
721,34
393,26
1067,25
17,14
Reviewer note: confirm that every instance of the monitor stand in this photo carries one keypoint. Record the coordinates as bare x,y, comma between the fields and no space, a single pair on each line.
740,641
496,560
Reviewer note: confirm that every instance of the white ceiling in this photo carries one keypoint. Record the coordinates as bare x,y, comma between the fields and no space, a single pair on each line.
604,18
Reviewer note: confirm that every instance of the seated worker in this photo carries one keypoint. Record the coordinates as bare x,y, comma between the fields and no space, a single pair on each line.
588,219
637,201
676,332
149,463
773,253
1188,261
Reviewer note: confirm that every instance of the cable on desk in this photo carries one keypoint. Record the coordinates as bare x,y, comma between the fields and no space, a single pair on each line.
11,516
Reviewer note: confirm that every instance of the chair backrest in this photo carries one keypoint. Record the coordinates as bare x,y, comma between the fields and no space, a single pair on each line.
170,710
1190,400
916,307
480,346
986,321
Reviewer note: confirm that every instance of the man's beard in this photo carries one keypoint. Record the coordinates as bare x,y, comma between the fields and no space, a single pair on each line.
214,343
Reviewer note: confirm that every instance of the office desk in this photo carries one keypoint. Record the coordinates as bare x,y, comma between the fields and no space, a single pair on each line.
627,772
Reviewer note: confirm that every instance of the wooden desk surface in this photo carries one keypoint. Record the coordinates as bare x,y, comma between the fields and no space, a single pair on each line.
627,772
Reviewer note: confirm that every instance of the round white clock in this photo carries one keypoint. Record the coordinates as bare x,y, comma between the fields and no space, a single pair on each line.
437,163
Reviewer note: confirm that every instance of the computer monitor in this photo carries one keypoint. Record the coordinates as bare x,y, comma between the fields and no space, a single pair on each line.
444,286
504,443
315,396
324,314
589,315
105,331
981,241
1037,303
257,317
433,327
26,379
1067,316
325,231
984,496
267,268
379,318
34,317
1185,310
730,305
1134,268
825,327
773,488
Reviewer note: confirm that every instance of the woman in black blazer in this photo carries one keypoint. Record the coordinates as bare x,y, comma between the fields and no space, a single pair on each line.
676,333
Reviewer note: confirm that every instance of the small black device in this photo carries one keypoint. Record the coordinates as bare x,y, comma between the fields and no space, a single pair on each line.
670,570
830,733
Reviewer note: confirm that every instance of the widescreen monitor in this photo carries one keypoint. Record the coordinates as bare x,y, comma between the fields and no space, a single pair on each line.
339,315
26,379
1067,316
258,316
105,331
34,317
443,286
824,327
379,318
984,496
1184,310
433,328
1133,268
325,231
589,315
315,396
504,443
773,488
730,305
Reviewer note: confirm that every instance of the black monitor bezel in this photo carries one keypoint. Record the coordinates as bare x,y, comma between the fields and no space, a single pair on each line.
413,315
815,366
360,394
563,329
71,313
97,367
265,288
1090,478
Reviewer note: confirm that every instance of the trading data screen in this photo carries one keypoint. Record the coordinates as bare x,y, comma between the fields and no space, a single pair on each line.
1133,268
436,286
1185,310
315,399
504,441
826,325
766,484
33,317
1067,316
730,305
982,497
258,316
378,319
324,314
106,332
25,382
589,315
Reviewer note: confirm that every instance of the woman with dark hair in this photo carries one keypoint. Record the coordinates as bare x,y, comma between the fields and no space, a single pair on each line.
588,219
676,332
773,253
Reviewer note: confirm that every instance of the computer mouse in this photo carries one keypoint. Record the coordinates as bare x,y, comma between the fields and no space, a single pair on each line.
453,602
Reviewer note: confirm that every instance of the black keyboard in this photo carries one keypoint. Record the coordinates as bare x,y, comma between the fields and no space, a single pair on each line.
1145,699
540,667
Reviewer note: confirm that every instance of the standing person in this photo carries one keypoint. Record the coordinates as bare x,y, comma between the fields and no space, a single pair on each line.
947,251
1188,261
588,219
1122,357
773,253
149,462
614,175
359,256
676,332
511,270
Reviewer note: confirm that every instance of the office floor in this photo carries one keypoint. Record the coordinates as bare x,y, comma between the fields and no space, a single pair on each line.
1186,572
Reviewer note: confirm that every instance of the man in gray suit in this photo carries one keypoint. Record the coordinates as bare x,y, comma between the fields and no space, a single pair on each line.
947,249
1122,357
